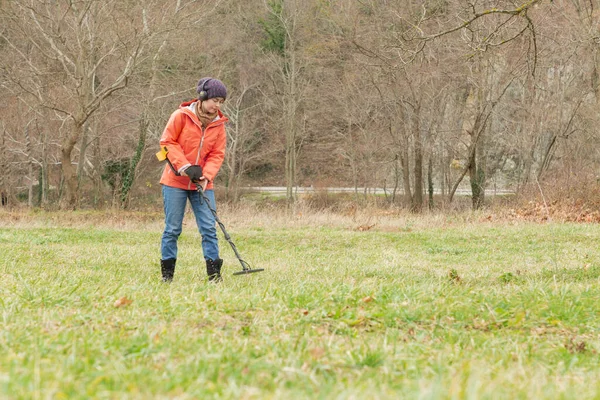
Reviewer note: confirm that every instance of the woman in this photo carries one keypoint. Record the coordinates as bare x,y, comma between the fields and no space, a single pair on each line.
195,140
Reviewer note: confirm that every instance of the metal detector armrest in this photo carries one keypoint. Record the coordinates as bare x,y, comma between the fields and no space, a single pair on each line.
162,156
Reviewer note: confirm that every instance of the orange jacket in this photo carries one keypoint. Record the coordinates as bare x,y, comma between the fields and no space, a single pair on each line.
188,144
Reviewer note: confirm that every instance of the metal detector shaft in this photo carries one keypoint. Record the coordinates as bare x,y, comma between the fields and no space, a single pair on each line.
245,266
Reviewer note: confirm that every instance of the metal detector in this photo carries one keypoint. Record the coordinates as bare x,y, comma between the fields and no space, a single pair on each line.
245,266
246,269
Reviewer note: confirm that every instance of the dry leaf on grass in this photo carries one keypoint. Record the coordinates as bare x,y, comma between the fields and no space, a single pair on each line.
363,228
367,299
122,302
317,352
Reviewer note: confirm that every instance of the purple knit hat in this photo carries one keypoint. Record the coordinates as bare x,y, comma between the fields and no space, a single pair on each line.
209,88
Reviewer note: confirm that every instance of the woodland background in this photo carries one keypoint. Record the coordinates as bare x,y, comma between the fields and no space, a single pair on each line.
421,98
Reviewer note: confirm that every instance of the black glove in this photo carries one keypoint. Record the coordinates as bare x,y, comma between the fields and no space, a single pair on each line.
194,172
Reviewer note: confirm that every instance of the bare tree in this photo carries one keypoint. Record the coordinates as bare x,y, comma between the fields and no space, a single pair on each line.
359,93
283,28
92,47
243,139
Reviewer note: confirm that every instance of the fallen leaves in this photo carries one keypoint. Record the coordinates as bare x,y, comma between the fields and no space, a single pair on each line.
574,346
453,276
317,352
363,228
367,299
122,302
566,210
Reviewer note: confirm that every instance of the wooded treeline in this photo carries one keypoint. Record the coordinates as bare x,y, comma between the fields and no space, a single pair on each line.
417,97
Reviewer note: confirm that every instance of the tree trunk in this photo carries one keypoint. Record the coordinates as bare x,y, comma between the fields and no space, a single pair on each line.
430,182
417,203
396,178
30,176
444,171
290,104
290,167
44,174
69,173
477,177
127,182
82,151
3,169
231,187
596,73
405,165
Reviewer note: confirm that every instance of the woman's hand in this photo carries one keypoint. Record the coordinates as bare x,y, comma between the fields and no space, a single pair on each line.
194,172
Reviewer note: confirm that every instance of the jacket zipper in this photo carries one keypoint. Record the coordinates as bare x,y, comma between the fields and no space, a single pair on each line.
199,151
200,148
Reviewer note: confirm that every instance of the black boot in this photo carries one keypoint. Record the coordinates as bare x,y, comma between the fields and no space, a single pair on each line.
213,269
167,267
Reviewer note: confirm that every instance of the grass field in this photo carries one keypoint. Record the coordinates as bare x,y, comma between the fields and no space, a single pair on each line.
427,307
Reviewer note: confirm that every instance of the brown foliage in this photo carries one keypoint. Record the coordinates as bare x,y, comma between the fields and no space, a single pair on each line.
577,202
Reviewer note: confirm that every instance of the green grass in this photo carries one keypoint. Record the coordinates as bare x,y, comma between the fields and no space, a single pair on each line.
463,310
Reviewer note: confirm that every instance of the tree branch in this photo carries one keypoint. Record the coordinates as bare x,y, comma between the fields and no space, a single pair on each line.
514,12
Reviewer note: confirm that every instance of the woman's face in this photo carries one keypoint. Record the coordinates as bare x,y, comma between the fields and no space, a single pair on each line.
212,105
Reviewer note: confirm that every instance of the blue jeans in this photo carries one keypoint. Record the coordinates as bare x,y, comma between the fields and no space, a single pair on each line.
174,201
